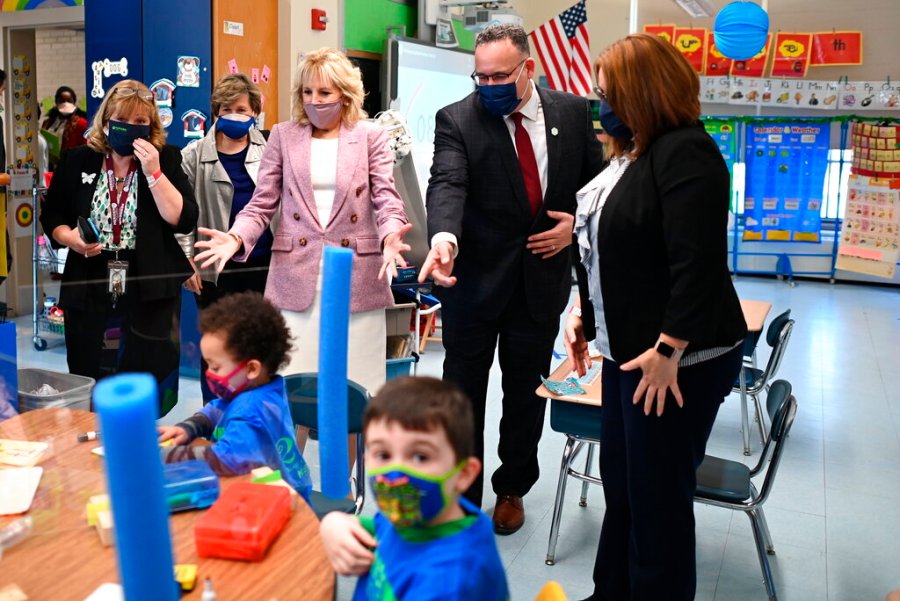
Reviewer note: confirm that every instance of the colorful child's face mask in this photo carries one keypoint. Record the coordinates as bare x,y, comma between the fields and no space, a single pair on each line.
409,498
228,386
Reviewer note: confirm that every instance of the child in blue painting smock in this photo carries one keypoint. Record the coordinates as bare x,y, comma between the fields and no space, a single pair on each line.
427,543
245,341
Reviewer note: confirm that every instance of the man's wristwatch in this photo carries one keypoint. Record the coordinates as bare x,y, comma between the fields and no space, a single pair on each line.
668,351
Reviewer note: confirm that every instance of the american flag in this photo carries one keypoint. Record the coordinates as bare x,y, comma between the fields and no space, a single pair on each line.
565,50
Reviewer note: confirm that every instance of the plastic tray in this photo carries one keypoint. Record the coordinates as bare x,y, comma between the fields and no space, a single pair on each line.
74,391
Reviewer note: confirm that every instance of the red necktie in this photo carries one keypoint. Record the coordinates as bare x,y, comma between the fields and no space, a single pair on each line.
528,164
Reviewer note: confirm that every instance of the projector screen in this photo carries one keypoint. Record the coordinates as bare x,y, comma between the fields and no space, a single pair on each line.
422,79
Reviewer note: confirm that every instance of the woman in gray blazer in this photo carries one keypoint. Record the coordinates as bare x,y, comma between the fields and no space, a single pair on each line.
222,168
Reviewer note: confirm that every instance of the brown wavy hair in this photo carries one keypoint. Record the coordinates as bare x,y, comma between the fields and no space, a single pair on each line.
650,86
113,103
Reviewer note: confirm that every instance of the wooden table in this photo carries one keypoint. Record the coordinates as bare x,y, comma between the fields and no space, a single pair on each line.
755,313
63,557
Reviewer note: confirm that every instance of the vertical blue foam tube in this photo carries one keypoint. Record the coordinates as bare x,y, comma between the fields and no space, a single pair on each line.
332,390
127,405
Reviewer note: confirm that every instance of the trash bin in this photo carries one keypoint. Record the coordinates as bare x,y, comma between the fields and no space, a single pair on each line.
74,392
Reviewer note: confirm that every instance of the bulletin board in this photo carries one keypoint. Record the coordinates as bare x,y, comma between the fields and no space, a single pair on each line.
243,43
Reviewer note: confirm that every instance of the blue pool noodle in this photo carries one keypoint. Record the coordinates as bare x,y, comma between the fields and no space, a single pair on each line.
127,405
332,390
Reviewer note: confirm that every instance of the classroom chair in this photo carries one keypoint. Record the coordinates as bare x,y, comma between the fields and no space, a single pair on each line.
751,380
302,396
552,591
581,425
730,484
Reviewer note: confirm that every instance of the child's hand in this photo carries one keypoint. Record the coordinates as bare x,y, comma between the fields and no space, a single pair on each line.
347,544
177,435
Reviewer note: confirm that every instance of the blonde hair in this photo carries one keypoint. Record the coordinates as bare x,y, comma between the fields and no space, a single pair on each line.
114,103
331,67
230,88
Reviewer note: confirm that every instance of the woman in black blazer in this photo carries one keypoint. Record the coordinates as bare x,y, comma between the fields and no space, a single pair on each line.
132,268
651,232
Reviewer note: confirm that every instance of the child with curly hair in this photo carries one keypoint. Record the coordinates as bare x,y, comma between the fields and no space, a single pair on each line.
245,341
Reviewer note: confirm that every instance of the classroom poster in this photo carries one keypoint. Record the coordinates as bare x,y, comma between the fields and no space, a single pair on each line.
753,67
723,132
786,163
666,32
870,233
837,48
716,63
691,41
791,52
869,95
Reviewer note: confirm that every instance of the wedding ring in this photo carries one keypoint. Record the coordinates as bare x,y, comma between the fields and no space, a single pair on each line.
552,247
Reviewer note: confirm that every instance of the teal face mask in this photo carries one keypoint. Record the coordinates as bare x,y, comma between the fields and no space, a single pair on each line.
409,498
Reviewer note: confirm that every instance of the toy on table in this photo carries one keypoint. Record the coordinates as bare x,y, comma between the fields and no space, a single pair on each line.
190,485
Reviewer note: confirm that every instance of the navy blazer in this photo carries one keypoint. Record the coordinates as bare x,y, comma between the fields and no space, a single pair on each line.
159,265
477,193
663,251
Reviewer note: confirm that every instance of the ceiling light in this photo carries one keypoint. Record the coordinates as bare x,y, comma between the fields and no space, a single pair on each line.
697,8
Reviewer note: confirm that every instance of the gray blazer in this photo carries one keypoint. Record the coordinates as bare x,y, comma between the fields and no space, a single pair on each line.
212,188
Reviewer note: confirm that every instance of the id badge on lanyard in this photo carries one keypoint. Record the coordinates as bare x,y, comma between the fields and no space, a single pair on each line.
117,271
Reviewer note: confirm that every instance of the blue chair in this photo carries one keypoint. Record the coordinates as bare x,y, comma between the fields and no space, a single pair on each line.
581,425
730,484
751,380
302,396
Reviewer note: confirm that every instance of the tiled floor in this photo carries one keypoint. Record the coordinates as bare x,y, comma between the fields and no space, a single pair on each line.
835,510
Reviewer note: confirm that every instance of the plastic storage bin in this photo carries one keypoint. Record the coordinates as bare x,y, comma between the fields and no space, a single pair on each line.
74,391
399,367
244,522
189,485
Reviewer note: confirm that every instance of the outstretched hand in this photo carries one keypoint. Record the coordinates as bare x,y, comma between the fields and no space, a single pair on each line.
393,246
220,247
439,265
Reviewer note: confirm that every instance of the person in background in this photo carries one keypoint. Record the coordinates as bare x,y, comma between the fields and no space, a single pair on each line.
651,233
223,168
327,175
66,121
245,341
130,183
508,160
426,541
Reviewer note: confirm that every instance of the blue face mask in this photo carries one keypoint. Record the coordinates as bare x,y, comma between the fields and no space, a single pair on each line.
232,125
501,99
408,498
121,136
612,124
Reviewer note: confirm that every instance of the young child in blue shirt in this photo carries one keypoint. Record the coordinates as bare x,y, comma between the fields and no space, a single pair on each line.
427,543
245,341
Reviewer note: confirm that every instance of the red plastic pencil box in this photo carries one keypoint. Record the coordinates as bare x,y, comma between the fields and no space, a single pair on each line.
243,522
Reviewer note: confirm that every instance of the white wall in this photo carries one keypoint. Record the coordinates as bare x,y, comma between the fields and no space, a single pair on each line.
295,36
60,61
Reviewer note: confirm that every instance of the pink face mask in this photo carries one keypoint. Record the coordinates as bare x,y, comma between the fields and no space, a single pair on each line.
324,115
228,386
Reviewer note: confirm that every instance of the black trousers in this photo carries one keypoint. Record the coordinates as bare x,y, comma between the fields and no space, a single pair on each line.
148,341
236,277
524,347
648,465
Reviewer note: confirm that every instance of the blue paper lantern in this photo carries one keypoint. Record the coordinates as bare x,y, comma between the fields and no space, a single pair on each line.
741,29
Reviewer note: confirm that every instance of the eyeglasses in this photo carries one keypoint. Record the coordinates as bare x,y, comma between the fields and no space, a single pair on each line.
600,93
125,92
483,80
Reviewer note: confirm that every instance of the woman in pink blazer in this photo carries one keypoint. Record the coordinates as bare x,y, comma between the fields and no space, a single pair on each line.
328,175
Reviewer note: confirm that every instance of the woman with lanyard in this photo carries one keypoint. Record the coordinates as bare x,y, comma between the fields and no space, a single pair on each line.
116,203
222,168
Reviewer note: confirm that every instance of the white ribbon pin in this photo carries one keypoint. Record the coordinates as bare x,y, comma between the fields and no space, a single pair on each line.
87,178
554,131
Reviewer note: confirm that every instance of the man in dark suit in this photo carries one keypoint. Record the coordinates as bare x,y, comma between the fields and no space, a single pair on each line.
508,160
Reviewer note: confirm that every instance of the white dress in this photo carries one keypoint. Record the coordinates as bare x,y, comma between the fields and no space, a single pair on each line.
366,344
